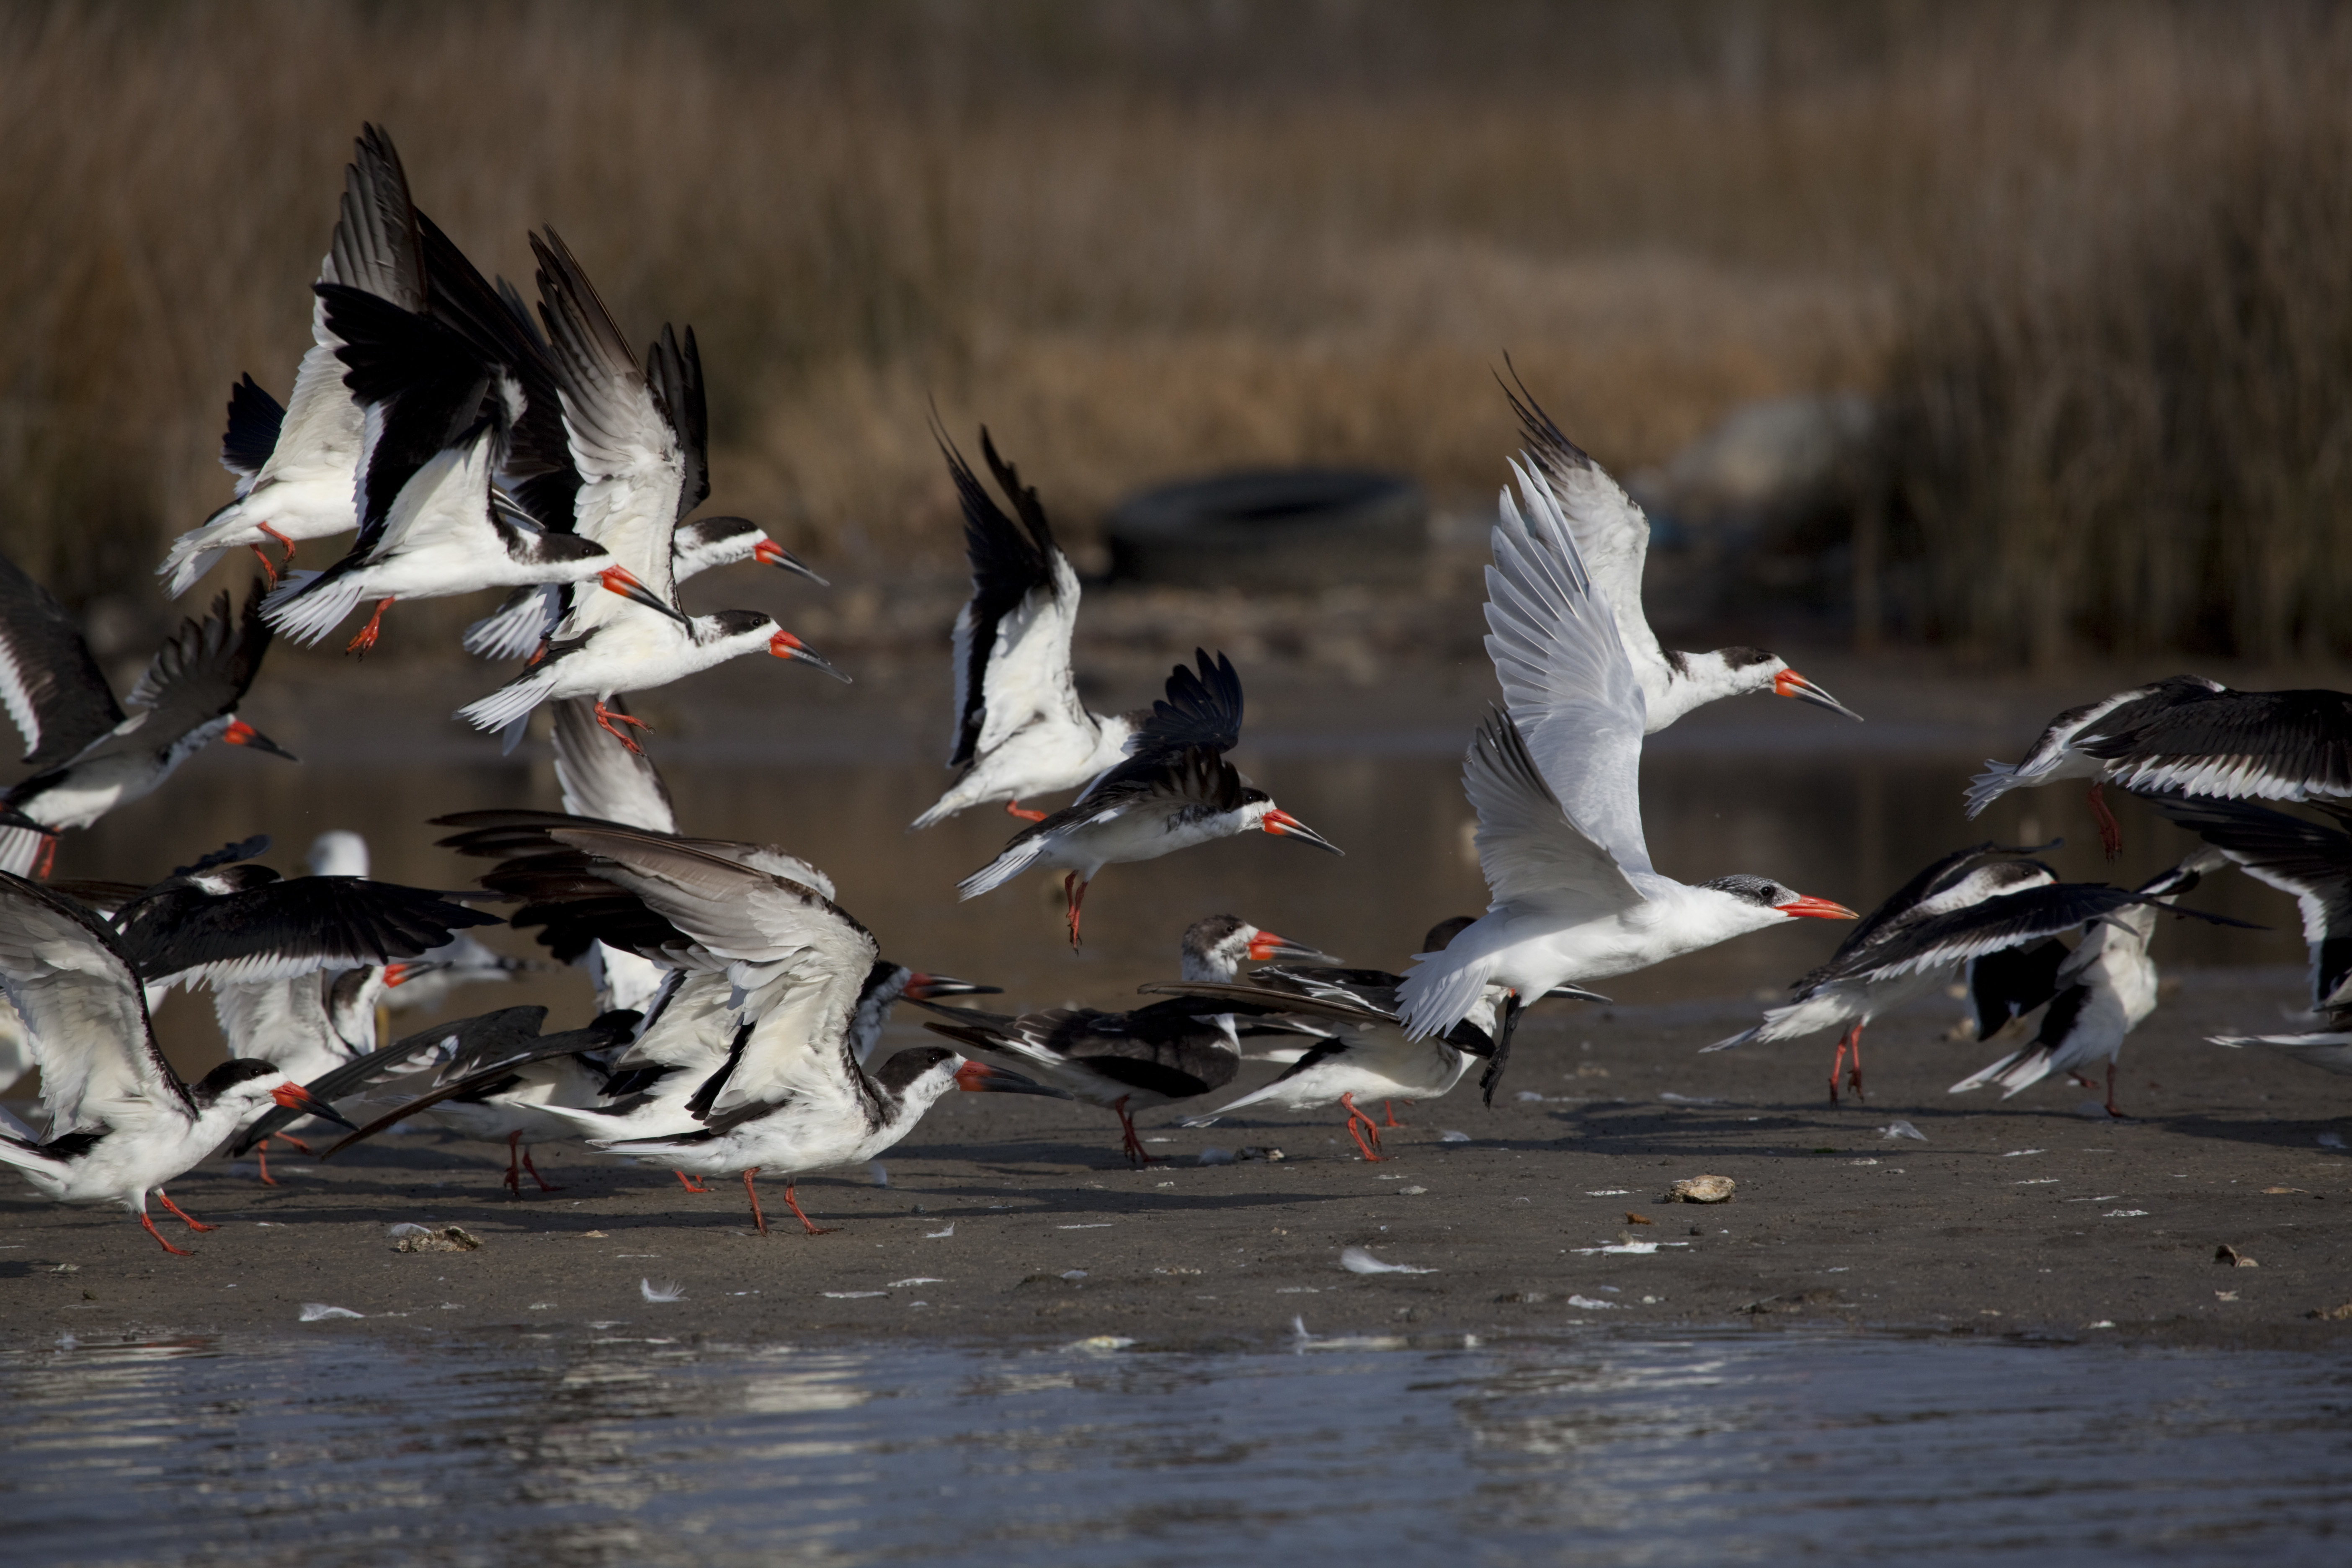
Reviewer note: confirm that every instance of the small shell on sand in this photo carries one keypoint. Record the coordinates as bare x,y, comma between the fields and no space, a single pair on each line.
448,1238
1700,1190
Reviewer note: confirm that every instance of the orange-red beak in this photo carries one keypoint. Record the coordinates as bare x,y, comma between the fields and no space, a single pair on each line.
783,645
1265,945
622,580
1817,908
768,553
979,1078
1789,683
394,973
925,987
294,1097
240,733
1285,826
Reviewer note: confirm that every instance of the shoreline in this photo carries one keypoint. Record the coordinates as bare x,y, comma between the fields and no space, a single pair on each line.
1013,1220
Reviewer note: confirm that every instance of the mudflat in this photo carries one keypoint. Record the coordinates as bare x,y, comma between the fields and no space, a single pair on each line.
1010,1217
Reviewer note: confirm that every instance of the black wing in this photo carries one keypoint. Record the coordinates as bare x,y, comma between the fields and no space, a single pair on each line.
2274,745
506,1031
49,681
1198,778
1907,897
376,247
484,1062
206,667
1202,710
2013,982
254,420
2307,859
674,375
286,927
1008,562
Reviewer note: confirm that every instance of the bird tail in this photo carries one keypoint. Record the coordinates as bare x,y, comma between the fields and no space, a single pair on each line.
947,805
304,609
194,554
1441,990
1209,1117
1745,1036
1997,780
1016,859
2019,1070
516,628
19,848
508,703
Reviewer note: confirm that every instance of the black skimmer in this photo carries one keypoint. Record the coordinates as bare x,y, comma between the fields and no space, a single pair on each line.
790,1095
2186,735
1559,838
1125,1062
443,407
639,437
2101,992
2312,862
1613,538
1020,729
1840,994
601,776
120,1123
296,466
88,756
1175,791
1366,1053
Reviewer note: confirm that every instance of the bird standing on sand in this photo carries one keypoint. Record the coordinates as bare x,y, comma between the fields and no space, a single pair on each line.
2100,992
1019,727
119,1122
1175,791
1556,784
87,754
1844,991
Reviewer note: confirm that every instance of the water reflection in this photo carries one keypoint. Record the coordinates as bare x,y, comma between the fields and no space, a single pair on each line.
1701,1449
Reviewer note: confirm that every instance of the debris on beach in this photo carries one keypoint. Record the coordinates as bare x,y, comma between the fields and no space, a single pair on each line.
2233,1258
667,1290
316,1311
1904,1130
1356,1260
1632,1218
1701,1190
426,1238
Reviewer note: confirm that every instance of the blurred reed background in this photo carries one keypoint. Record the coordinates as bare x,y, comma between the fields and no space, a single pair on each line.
2089,261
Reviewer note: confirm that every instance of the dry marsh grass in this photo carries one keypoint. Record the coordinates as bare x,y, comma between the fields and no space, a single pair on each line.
1144,238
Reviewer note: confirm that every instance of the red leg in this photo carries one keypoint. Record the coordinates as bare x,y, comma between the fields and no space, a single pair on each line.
289,1138
267,565
605,717
1388,1114
283,565
47,862
689,1183
1131,1145
176,1251
1075,891
1850,1040
1014,808
1361,1128
262,1149
2111,832
544,1184
807,1224
365,640
752,1193
164,1198
514,1168
1854,1073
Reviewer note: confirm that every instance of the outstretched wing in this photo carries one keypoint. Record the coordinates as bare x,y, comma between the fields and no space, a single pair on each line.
1202,710
1013,635
2270,745
280,930
1531,850
2308,861
203,670
1569,688
49,682
83,1008
600,777
1612,533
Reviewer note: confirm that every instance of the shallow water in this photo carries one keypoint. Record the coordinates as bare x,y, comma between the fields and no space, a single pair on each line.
588,1447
